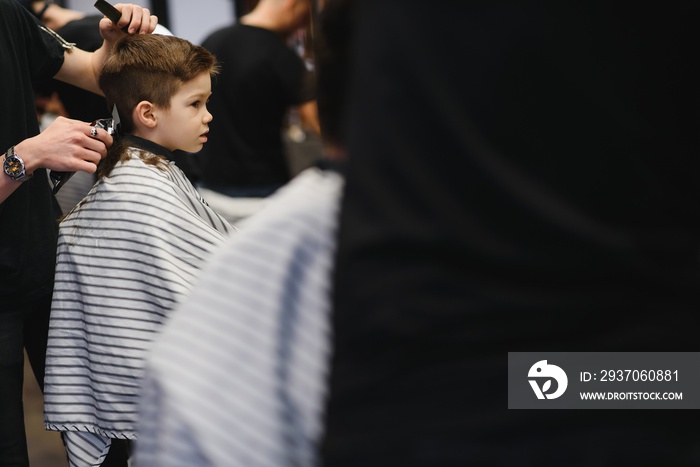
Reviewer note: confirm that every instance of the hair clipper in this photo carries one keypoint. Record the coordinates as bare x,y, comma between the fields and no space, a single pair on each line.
110,125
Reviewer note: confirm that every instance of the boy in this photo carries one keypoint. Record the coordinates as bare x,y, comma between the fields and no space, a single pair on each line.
132,248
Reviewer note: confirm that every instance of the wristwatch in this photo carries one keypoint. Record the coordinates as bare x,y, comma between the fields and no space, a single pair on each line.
14,166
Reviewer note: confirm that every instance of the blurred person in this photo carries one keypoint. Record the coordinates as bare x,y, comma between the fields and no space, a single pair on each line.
237,378
522,177
131,249
261,79
27,208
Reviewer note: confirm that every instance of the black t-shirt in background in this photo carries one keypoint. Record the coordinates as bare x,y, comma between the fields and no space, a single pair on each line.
261,78
28,217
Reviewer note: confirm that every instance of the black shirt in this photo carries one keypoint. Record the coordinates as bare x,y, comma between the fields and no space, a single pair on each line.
261,78
522,176
28,217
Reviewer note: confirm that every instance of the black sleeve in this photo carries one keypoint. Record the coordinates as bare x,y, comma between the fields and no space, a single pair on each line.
44,49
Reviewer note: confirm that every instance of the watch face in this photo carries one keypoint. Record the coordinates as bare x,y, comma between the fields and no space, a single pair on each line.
13,167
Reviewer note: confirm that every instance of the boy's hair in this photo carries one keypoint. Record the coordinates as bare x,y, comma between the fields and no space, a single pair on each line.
150,67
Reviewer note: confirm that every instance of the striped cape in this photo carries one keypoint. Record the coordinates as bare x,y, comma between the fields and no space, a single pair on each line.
238,375
127,254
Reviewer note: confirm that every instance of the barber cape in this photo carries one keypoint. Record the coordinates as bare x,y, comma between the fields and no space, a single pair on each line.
127,254
238,377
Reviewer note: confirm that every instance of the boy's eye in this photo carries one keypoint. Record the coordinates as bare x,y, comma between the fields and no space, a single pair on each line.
196,104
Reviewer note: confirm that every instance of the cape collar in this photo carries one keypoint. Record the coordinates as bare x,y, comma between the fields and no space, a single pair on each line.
149,146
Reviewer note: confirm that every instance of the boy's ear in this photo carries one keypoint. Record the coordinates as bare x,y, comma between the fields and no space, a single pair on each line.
144,115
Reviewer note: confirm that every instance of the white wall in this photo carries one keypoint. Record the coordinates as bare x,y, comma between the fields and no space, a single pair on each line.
190,19
196,19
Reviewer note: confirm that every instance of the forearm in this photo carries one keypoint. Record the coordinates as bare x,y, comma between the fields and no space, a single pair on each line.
66,146
308,112
82,68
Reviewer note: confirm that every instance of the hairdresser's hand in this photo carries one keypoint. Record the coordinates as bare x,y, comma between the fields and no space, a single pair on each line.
66,146
139,19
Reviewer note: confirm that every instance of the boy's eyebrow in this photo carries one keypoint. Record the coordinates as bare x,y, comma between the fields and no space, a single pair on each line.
199,94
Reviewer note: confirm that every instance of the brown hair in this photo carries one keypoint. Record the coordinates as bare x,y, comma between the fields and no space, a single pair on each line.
148,67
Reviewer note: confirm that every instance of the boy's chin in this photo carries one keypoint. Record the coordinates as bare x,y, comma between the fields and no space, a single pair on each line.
193,150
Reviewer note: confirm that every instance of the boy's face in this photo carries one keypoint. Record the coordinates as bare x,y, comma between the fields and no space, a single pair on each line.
185,125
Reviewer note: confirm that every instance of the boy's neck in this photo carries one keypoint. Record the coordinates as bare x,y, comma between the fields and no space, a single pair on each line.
147,136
